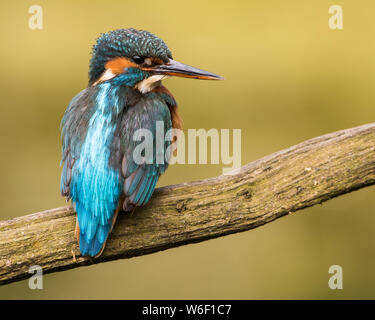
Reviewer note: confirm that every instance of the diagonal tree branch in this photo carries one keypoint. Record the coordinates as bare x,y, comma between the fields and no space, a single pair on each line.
298,177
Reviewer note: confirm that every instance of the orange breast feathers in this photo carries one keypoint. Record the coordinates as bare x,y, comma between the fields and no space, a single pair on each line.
176,119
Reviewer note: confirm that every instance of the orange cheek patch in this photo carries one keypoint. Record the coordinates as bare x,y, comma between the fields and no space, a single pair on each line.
118,65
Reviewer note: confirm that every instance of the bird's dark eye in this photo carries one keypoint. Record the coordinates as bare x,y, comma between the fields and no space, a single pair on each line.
138,59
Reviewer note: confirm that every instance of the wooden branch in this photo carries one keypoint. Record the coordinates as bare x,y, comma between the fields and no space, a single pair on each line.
264,190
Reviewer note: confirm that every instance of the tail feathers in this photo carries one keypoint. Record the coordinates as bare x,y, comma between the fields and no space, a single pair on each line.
93,238
93,247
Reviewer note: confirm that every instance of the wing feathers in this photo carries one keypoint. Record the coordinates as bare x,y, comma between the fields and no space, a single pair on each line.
96,187
139,186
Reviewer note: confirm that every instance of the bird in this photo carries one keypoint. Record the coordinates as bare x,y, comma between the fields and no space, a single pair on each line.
125,93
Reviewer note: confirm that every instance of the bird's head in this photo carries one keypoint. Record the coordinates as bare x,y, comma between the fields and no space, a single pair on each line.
137,58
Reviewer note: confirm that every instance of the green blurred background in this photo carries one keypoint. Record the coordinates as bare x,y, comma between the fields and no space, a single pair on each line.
288,78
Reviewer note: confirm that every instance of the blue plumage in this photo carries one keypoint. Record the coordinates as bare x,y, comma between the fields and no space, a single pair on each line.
96,187
98,179
101,174
97,126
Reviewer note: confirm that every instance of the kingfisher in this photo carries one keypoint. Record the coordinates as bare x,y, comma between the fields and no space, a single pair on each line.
100,174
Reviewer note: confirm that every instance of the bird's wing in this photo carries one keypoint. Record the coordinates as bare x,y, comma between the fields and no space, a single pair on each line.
95,189
75,118
140,178
139,184
86,178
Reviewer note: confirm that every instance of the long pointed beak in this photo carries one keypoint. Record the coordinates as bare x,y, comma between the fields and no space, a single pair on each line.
174,68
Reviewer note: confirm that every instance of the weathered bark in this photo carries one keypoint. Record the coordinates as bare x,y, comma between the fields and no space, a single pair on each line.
298,177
